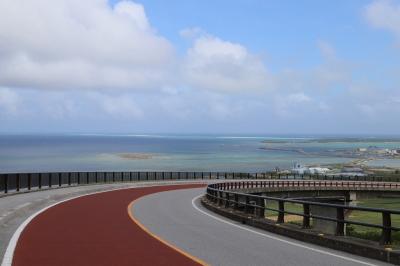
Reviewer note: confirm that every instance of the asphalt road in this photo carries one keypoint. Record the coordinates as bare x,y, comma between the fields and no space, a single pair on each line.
16,208
178,219
96,230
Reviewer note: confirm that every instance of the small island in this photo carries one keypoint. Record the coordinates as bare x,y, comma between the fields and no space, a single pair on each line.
136,156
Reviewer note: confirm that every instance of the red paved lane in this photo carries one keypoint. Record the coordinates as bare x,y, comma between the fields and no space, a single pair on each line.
95,230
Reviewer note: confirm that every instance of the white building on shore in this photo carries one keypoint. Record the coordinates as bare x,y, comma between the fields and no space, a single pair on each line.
301,170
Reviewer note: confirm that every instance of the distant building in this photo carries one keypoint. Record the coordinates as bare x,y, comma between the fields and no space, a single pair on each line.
348,174
301,170
319,170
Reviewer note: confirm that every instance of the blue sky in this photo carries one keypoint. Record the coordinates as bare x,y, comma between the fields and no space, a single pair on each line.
270,67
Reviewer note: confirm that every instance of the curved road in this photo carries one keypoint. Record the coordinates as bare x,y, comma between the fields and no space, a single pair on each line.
95,230
177,217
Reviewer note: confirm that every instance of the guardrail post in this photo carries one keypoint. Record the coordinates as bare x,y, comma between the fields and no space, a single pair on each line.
226,199
386,237
18,182
339,222
6,183
260,211
220,199
236,205
208,193
40,180
247,202
306,217
29,181
215,196
59,179
69,178
50,179
281,214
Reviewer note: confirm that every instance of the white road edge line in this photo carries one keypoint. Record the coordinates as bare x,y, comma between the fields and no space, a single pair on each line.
9,254
277,238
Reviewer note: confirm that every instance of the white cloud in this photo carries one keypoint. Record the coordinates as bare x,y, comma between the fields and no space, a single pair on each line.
332,73
384,14
80,44
73,44
134,12
215,64
297,98
367,109
121,106
284,105
327,50
190,33
9,102
298,104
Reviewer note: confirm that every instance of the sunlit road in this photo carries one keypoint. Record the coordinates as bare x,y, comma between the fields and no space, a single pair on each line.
175,218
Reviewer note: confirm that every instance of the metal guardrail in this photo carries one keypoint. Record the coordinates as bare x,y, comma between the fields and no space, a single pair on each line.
222,194
16,182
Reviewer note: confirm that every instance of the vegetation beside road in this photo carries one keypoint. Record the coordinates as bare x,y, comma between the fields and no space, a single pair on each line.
360,216
374,218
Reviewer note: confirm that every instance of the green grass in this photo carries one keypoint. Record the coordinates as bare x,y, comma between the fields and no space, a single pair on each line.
359,216
370,234
293,219
288,207
374,218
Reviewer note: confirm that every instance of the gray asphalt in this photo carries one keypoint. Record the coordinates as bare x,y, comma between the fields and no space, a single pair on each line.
171,216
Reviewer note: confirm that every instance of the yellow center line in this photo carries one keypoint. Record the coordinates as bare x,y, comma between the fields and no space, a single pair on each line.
197,260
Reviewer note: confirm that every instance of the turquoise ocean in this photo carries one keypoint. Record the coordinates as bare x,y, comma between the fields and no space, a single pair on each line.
124,152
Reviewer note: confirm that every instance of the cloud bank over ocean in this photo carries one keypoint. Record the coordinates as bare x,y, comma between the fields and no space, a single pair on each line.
92,66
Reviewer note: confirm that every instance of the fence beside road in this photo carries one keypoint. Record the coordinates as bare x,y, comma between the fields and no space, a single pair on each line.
228,195
16,182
